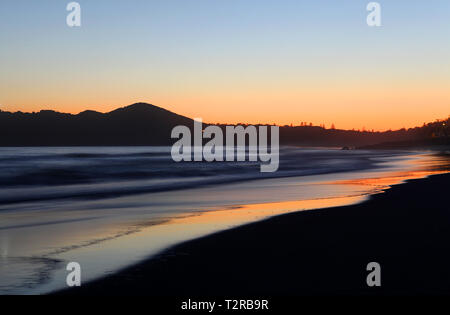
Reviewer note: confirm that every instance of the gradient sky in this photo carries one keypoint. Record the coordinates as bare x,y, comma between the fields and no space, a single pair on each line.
282,61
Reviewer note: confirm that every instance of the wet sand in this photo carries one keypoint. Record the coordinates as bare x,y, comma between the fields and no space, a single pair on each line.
320,252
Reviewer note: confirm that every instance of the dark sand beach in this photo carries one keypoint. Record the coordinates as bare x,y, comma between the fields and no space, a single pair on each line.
320,252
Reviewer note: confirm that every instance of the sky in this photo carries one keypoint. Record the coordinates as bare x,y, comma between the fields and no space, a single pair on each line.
231,61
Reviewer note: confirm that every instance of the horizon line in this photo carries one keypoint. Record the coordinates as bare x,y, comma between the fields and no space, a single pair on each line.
292,125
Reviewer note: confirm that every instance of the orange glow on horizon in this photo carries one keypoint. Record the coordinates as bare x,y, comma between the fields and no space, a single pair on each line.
347,117
376,105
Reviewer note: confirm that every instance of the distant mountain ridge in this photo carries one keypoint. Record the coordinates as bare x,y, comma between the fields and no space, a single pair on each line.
137,124
144,124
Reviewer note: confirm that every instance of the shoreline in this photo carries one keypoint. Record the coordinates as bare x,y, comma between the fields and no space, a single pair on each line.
316,252
193,213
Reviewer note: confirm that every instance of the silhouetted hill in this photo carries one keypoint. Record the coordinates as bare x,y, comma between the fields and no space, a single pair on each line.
137,124
418,138
432,134
145,124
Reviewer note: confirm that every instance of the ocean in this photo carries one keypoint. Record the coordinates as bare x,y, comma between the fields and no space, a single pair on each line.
109,207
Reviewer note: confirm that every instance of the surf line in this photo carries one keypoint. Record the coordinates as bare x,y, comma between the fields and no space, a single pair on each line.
214,149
